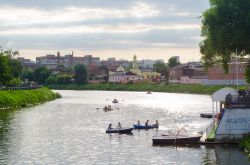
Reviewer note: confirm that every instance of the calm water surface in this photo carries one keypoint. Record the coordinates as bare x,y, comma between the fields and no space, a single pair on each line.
71,130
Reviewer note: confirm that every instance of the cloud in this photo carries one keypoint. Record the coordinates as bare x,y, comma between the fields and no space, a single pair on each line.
101,25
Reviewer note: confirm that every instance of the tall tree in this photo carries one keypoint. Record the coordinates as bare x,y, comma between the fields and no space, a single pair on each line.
27,74
172,62
80,73
41,74
5,75
225,29
162,68
15,68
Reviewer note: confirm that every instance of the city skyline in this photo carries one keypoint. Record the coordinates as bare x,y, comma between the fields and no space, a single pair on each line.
150,29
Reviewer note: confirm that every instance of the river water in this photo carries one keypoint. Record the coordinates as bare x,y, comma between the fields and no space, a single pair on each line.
71,130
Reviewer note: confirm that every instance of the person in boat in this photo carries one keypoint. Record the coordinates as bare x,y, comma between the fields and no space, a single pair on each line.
156,125
119,125
146,124
138,122
110,126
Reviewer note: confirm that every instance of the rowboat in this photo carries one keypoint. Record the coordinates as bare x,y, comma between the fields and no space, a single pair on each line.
120,130
207,115
176,139
145,127
108,108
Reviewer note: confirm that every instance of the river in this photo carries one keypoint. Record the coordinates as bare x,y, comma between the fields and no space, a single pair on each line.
71,130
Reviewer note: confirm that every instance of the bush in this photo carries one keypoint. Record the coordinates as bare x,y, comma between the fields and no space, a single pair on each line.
130,82
59,79
13,82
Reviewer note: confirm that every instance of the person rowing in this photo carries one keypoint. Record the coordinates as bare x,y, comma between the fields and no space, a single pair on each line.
110,126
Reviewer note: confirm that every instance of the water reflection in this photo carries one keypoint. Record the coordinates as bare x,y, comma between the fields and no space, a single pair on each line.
71,130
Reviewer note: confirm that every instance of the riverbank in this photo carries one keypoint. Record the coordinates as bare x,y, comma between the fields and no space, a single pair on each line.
245,145
23,98
170,88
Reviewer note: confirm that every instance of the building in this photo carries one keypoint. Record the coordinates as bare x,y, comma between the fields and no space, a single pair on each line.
50,61
28,64
190,73
144,74
54,61
121,76
217,76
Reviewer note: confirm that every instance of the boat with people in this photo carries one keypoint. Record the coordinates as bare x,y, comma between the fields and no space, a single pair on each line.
108,108
115,101
176,139
146,126
124,130
119,129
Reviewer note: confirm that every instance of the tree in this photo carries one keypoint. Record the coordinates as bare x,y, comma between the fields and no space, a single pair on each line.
225,29
247,73
27,74
10,70
4,69
162,68
104,69
172,62
80,73
41,74
15,68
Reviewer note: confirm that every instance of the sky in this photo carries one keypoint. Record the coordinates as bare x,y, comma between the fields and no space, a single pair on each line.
151,29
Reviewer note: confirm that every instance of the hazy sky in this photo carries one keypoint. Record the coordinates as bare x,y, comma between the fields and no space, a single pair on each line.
105,28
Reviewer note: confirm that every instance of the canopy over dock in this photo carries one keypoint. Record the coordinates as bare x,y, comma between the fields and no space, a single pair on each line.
220,96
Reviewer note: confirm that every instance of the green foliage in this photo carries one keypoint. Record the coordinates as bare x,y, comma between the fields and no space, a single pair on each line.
225,29
18,98
105,70
245,144
161,67
15,68
59,79
27,74
4,69
81,74
247,74
41,74
13,82
10,70
130,82
172,62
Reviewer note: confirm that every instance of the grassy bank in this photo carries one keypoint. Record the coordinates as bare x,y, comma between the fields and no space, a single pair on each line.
22,98
245,145
171,88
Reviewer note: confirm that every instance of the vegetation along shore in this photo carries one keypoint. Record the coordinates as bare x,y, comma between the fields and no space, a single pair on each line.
161,87
23,98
